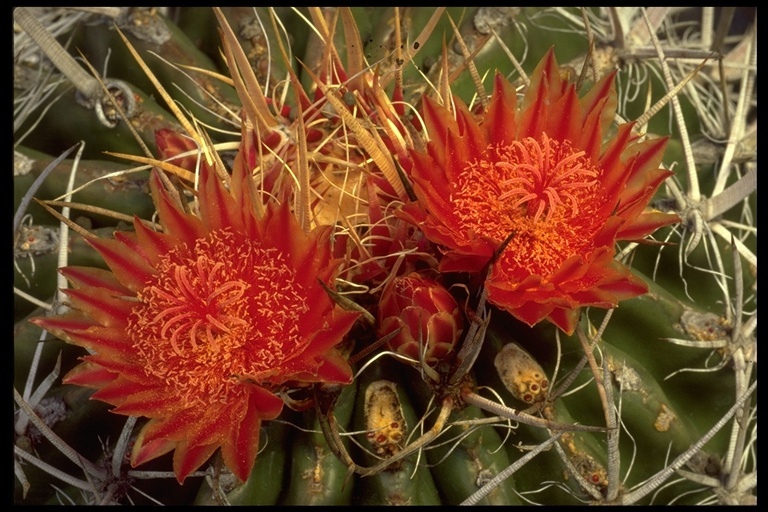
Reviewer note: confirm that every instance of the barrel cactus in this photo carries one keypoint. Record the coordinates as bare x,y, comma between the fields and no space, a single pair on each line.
385,256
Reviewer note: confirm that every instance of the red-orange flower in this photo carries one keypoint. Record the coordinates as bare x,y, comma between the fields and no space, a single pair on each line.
198,327
542,174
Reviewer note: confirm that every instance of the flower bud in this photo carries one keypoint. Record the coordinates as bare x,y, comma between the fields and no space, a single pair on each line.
427,314
171,144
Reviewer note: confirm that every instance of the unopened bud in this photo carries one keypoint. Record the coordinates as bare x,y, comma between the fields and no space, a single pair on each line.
427,314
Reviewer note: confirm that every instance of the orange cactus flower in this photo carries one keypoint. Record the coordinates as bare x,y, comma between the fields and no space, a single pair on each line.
542,173
201,327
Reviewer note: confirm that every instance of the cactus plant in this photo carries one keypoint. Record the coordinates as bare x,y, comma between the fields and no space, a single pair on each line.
385,255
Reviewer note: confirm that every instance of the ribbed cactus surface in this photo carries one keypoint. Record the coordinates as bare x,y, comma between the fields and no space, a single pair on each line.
385,255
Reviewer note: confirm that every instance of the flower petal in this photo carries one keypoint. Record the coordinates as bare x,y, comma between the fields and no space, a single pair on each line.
217,208
567,124
89,375
104,339
153,243
101,305
645,224
601,98
177,224
440,123
96,277
146,450
239,450
131,269
500,125
565,319
187,459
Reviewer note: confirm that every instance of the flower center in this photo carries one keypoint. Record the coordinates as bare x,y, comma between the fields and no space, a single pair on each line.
226,308
542,190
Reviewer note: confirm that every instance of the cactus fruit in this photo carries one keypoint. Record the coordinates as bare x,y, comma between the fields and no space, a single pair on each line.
385,255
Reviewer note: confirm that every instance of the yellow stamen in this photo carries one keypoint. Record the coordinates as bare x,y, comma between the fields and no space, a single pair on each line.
543,190
200,320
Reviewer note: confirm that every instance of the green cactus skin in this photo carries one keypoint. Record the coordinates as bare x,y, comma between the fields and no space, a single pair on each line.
126,194
658,416
66,122
201,27
40,280
149,31
317,477
460,468
409,483
264,485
